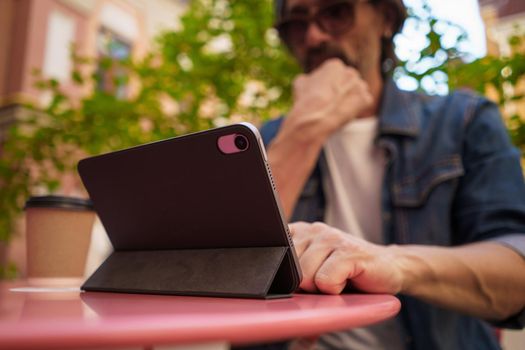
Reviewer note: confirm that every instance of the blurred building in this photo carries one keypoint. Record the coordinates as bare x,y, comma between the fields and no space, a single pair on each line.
39,34
501,18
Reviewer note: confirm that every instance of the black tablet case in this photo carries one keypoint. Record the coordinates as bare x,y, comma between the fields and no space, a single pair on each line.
185,218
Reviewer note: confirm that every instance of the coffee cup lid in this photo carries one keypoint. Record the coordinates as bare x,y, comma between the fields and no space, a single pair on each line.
61,202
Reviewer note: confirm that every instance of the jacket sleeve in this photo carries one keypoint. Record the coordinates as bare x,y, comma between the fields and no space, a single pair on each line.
490,199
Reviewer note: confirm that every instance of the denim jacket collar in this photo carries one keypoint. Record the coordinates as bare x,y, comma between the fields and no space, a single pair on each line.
398,115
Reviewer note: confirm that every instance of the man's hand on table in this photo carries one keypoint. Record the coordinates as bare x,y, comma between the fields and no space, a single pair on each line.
329,258
482,279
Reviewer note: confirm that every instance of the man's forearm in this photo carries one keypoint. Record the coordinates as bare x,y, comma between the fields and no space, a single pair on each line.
486,279
291,162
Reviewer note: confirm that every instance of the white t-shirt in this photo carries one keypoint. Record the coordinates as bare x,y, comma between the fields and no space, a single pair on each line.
353,204
353,188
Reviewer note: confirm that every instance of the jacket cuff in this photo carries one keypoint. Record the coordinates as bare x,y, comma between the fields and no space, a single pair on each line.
515,241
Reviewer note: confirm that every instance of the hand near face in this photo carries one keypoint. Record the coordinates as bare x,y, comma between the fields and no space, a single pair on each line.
328,98
330,258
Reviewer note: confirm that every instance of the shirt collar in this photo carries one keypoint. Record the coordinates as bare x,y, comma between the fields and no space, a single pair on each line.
398,114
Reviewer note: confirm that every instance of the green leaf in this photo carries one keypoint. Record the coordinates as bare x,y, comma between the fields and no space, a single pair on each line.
77,77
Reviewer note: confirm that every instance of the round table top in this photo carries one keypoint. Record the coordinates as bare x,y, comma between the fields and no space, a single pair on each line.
67,318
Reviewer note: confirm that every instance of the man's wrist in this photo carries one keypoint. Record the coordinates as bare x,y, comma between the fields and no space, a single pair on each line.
308,127
413,268
300,139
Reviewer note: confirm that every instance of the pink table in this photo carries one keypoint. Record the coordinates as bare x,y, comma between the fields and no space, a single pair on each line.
70,319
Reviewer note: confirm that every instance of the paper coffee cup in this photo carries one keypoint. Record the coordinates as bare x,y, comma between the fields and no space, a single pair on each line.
58,234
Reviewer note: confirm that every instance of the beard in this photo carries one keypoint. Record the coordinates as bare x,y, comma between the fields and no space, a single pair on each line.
317,55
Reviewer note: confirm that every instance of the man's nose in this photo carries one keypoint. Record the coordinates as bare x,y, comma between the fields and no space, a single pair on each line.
315,35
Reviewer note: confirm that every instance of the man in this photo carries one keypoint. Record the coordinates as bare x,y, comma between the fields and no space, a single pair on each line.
422,197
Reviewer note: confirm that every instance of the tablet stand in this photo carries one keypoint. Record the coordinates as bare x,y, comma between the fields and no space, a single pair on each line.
224,272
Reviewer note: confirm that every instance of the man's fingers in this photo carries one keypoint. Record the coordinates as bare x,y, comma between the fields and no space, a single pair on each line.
300,232
310,261
333,274
301,245
299,226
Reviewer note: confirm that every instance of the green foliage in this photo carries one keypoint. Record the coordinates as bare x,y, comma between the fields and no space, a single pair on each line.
8,272
206,72
501,77
431,63
443,63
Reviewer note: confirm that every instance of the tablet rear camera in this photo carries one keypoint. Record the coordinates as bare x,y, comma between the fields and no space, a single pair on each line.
241,142
232,143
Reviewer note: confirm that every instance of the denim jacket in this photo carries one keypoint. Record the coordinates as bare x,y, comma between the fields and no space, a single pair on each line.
452,177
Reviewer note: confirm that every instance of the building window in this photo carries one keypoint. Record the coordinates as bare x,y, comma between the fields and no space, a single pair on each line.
61,30
112,76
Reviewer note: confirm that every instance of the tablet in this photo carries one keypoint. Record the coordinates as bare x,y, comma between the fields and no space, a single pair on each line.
194,215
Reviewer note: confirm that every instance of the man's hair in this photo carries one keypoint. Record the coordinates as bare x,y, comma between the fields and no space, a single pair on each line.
396,9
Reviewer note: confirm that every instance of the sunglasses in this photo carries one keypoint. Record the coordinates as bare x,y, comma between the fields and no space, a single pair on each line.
333,18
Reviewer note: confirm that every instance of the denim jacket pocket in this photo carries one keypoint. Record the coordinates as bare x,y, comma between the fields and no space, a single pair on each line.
413,190
422,202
